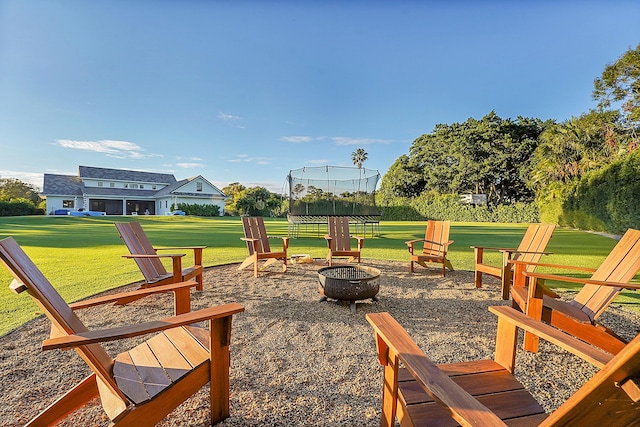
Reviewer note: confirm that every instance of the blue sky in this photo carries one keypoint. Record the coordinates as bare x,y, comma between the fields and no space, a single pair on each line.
244,91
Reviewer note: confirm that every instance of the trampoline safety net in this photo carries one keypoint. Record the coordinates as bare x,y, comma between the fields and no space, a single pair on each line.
332,190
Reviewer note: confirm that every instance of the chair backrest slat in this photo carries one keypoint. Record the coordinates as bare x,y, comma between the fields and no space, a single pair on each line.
138,243
533,243
254,229
436,234
339,232
621,265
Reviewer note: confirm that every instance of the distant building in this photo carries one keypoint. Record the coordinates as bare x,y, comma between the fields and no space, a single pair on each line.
474,199
126,192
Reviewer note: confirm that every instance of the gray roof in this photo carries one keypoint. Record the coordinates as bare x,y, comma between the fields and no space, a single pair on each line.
125,175
66,185
169,188
128,192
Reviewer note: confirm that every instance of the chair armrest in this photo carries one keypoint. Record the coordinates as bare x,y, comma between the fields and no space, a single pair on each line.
412,242
587,352
493,249
139,292
394,341
360,241
113,334
581,281
195,248
153,256
515,251
429,241
285,241
566,267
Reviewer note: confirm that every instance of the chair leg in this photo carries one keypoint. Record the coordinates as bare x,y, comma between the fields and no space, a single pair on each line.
200,285
219,387
507,278
478,255
247,261
74,399
478,278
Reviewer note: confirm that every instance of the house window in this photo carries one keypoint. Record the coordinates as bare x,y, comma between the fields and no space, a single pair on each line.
153,187
198,186
67,204
166,204
125,185
112,184
141,186
99,183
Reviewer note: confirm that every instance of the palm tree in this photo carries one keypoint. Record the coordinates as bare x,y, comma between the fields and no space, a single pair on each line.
358,157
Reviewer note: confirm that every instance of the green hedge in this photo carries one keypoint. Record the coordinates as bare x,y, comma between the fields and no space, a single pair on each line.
607,199
449,207
199,210
19,207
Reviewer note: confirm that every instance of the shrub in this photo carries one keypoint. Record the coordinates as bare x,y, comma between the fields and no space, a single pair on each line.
199,210
19,207
606,199
449,207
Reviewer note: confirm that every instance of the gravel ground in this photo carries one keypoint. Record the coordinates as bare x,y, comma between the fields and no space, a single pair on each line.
295,360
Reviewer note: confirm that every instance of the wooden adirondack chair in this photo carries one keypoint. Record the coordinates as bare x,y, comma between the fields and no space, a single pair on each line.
150,263
485,393
578,316
530,249
435,246
257,240
141,386
339,240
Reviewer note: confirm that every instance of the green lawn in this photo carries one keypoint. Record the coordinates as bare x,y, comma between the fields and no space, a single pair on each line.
82,256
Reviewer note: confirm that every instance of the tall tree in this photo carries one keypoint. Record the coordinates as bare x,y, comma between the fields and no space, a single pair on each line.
488,156
570,149
620,85
358,157
11,188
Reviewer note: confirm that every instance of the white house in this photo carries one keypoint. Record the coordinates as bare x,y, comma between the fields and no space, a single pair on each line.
126,192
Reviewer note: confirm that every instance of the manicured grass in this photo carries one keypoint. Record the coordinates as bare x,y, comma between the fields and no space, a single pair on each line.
82,256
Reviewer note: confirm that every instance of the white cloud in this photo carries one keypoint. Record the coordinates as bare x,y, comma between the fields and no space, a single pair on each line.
231,120
247,159
34,178
193,159
189,165
227,117
319,162
118,149
297,139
